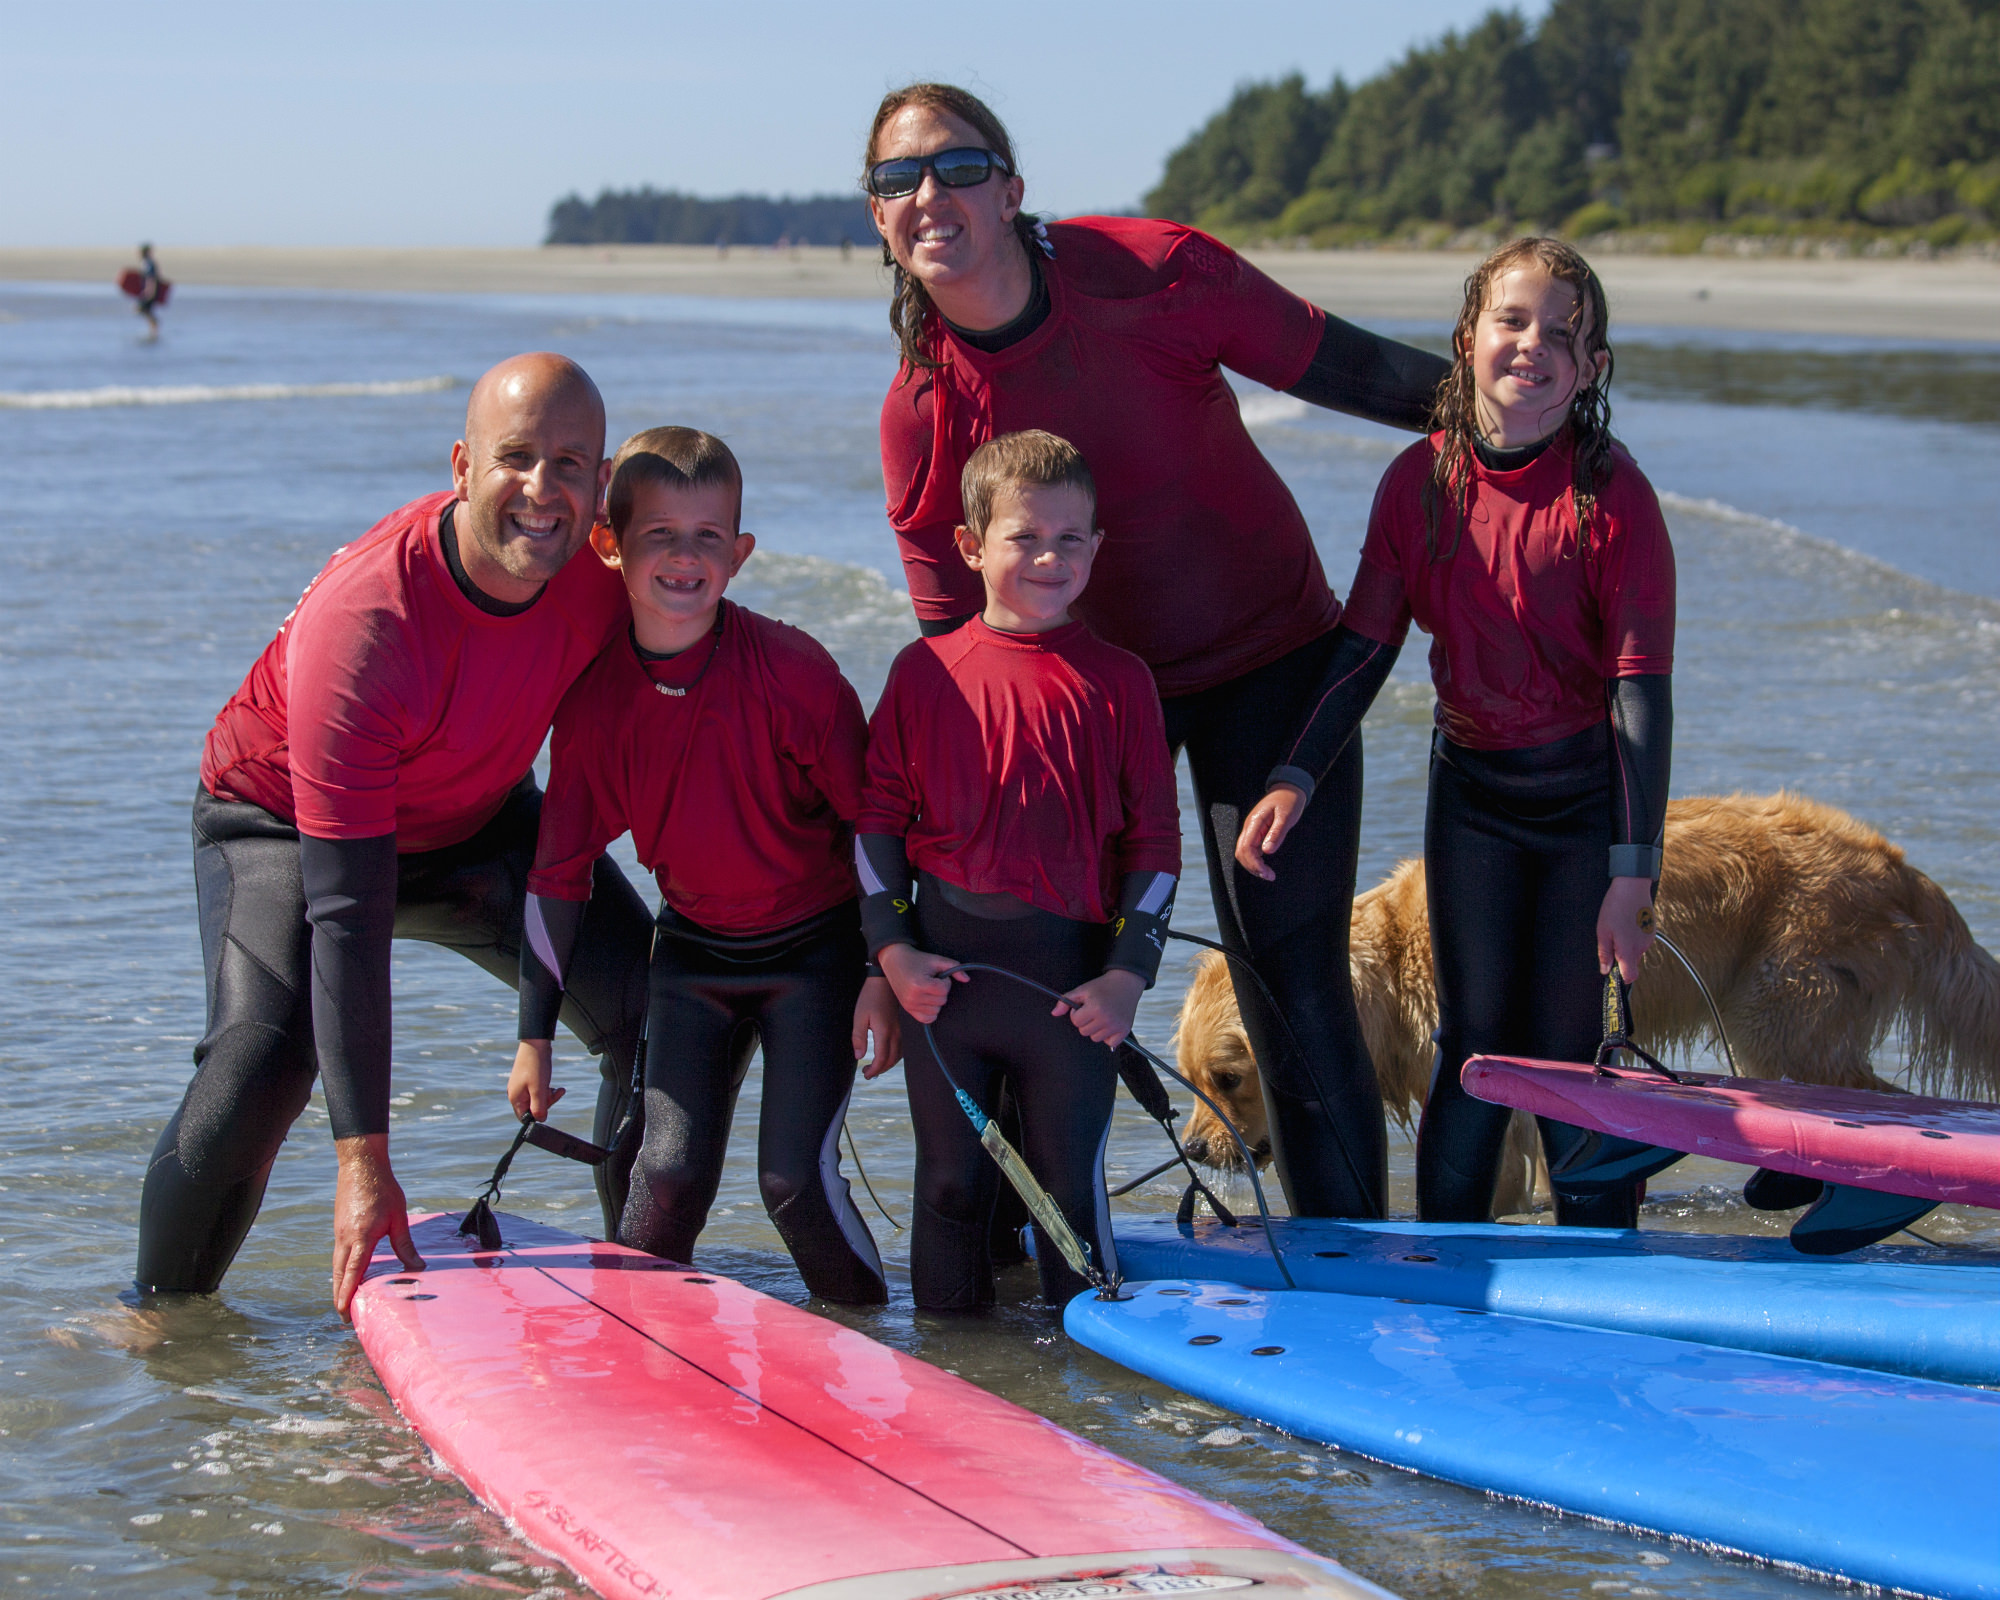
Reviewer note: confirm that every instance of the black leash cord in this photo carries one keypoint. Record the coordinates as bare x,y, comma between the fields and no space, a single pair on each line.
1242,964
1249,1162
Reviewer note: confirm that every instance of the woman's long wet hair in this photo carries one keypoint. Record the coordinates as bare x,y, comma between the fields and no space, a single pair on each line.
1456,414
910,308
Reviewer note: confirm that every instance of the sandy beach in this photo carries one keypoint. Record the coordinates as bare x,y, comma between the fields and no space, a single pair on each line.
1902,299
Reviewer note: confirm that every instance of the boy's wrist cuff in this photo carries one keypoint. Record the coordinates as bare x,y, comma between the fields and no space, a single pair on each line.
1297,777
1636,861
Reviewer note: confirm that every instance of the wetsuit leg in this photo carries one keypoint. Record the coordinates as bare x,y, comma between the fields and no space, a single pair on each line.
1514,851
1328,1134
806,1021
254,1065
993,1030
1479,891
701,1033
471,897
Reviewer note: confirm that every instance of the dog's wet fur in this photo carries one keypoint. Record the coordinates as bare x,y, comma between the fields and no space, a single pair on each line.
1815,937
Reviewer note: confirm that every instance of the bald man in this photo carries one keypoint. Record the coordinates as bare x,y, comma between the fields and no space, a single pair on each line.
371,780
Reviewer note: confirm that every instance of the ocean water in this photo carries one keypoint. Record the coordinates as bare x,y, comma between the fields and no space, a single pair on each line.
1834,509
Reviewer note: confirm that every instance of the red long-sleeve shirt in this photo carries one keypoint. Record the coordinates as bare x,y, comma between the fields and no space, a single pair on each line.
1526,626
1207,568
390,703
740,790
1030,764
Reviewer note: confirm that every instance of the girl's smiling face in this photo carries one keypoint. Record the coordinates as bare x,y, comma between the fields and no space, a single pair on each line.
1527,357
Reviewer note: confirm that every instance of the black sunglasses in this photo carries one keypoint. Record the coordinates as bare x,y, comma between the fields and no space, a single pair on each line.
964,168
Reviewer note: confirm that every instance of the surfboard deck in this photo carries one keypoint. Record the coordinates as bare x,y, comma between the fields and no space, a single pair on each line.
1877,1478
1942,1150
1927,1313
661,1430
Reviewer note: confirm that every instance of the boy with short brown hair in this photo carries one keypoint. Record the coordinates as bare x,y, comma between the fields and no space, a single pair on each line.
731,747
1019,765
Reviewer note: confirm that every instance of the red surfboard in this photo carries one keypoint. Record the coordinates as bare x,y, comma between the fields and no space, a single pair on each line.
662,1431
133,282
1942,1150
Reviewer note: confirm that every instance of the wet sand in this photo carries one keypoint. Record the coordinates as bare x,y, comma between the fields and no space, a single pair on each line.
1903,299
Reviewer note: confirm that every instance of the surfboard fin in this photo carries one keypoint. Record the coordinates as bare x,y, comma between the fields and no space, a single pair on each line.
1845,1218
1601,1161
1780,1191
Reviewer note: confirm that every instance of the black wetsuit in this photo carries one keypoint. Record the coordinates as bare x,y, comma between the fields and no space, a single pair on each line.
714,998
1329,1140
295,927
993,1031
259,895
1519,849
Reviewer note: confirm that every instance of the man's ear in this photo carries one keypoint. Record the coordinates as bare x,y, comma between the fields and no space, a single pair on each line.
461,468
604,540
745,543
968,547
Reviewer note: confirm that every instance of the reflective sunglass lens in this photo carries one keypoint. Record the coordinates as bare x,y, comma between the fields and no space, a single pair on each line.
891,180
960,169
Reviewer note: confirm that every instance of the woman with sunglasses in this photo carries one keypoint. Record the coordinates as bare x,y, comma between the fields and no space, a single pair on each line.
1112,333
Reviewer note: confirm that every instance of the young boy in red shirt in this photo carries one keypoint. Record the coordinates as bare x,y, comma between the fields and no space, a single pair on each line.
731,748
1019,765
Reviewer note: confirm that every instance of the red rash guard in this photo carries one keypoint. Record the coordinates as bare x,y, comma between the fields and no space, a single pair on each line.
389,703
1028,764
1525,631
739,791
1207,569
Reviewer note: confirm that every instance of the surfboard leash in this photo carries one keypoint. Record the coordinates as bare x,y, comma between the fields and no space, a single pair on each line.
983,1123
479,1222
861,1172
1714,1011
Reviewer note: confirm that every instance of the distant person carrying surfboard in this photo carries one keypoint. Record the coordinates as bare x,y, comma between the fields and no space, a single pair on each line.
371,779
1113,333
145,285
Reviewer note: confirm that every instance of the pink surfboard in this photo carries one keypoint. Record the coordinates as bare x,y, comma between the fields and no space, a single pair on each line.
662,1431
1943,1150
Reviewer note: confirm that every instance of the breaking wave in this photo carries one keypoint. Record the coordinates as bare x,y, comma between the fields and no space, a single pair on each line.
193,394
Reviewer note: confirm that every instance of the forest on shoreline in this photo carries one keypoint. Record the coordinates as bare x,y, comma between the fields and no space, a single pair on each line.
1868,124
652,216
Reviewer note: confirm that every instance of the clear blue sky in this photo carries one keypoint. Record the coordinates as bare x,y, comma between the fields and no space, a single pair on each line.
436,122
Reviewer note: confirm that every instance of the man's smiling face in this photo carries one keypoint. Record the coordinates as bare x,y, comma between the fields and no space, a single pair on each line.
528,471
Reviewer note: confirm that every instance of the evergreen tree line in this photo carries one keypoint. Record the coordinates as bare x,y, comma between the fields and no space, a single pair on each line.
1760,115
651,216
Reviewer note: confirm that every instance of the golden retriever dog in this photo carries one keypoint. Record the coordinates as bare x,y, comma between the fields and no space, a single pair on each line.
1815,937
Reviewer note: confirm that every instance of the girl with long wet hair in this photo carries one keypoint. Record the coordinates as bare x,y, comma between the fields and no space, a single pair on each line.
1114,333
1528,544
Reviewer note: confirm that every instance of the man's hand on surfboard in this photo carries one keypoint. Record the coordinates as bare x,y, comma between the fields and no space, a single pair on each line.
367,1203
1625,926
528,1090
922,981
1270,819
875,1013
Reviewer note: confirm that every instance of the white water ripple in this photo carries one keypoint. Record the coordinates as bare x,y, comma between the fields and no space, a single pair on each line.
189,394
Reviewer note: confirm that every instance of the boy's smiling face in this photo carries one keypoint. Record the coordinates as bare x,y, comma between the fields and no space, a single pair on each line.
679,550
1036,555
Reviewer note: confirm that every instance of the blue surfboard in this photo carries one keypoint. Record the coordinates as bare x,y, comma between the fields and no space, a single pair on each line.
1864,1475
1928,1313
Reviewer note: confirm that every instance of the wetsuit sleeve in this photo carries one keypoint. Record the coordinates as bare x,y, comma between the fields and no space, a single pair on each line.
1366,375
549,938
883,866
1354,675
1139,935
350,887
1642,743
